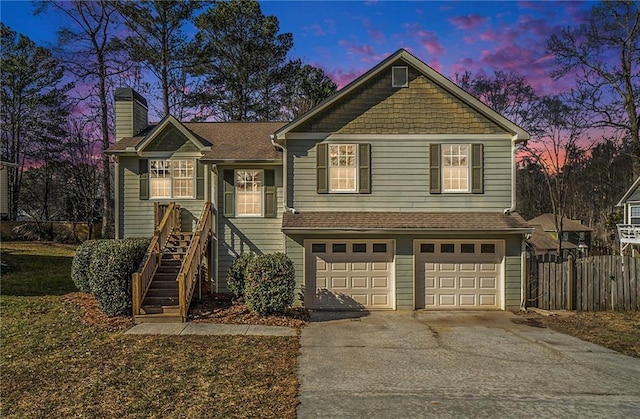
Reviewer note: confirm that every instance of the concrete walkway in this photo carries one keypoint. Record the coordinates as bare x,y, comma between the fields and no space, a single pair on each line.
209,329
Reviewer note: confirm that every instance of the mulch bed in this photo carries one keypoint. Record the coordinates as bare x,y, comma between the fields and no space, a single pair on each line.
217,308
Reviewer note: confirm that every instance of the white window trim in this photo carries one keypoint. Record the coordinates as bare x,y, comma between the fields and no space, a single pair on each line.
171,194
631,216
393,78
442,169
356,179
235,203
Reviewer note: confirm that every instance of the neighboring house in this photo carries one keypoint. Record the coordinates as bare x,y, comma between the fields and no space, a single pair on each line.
4,188
629,230
395,193
576,237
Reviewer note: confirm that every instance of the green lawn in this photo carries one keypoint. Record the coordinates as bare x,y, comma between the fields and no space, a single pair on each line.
53,365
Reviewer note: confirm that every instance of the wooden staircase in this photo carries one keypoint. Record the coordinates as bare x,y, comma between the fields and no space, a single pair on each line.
164,286
162,296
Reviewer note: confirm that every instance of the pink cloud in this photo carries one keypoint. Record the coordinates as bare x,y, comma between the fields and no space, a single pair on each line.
373,33
468,21
489,35
315,29
342,77
427,39
368,55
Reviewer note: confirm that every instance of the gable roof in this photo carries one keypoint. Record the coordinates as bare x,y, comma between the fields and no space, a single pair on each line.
167,121
630,192
547,222
541,240
220,141
425,70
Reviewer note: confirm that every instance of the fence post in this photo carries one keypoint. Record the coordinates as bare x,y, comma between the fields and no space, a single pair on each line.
570,278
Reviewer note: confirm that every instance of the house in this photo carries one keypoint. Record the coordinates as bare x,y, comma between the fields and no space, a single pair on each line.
629,230
395,193
576,237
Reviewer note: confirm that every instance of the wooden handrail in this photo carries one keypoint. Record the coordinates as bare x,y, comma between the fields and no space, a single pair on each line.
141,280
187,276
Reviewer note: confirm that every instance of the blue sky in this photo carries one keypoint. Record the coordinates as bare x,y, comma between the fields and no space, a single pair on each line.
346,38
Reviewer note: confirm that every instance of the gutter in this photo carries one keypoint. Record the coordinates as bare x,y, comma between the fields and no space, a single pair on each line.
412,231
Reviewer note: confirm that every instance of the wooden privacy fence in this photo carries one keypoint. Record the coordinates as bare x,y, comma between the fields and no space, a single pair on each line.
596,283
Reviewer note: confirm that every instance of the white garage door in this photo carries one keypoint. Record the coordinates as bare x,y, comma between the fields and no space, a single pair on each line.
452,275
349,274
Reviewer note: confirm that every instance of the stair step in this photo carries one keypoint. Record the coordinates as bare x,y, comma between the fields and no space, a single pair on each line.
165,276
173,269
164,284
166,293
160,301
158,318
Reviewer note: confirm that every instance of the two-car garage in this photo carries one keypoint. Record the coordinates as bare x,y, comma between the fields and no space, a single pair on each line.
447,274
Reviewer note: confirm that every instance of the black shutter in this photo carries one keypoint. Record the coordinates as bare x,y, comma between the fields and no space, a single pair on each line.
199,180
364,168
477,168
143,176
434,168
270,198
322,163
229,197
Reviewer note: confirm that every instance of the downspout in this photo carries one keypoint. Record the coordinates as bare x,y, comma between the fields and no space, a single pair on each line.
514,149
116,187
285,164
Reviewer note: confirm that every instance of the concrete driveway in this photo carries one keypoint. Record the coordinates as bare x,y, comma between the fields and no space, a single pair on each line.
458,365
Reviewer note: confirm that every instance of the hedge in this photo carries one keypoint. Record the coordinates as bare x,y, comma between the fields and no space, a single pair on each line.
237,273
80,264
110,270
271,283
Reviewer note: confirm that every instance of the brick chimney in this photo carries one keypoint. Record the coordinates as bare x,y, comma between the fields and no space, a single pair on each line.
131,112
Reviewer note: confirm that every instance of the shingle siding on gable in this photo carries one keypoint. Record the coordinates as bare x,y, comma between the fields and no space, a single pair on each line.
171,139
422,108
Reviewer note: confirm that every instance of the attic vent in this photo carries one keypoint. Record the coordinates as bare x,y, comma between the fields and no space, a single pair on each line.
399,76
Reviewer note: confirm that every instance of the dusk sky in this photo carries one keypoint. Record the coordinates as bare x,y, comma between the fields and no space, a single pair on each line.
347,38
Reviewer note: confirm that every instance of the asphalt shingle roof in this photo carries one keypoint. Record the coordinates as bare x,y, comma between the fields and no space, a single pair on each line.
229,140
446,221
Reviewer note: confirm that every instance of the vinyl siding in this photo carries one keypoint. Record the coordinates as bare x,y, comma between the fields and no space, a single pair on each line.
136,216
247,234
400,179
513,272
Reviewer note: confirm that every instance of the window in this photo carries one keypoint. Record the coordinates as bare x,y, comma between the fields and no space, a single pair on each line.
171,178
447,248
399,76
342,168
359,248
487,248
379,247
467,248
318,248
249,193
635,215
427,248
339,248
455,168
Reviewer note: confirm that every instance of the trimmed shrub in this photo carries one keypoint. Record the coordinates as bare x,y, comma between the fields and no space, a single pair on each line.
80,265
271,283
110,271
237,274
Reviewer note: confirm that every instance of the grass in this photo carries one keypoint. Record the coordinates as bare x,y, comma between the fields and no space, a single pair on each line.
617,330
54,365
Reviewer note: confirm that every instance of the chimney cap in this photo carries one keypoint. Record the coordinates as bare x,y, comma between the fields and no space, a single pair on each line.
127,94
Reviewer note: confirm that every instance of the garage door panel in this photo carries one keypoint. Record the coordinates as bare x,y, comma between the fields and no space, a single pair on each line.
488,283
468,300
453,274
338,282
359,282
466,283
346,274
380,282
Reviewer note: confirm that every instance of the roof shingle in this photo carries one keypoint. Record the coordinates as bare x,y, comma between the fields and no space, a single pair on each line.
445,221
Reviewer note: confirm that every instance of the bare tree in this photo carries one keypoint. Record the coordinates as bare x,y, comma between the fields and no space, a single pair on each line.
557,150
603,55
